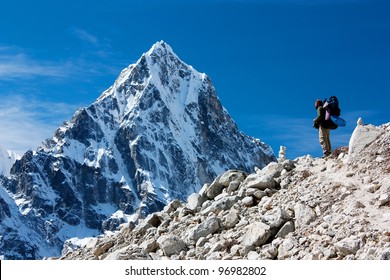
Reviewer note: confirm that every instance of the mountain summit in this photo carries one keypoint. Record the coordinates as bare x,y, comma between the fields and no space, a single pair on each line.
158,134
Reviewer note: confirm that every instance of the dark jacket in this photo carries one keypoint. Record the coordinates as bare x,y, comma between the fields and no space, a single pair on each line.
321,119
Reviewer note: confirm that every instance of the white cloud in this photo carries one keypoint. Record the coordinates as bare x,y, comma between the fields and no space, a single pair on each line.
93,46
25,122
16,64
85,36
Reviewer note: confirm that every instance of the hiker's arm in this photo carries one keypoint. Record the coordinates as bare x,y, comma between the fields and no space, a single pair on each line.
319,115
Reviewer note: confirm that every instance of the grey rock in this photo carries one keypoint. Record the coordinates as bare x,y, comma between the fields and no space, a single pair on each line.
276,218
304,215
347,246
361,137
149,245
288,248
221,204
223,181
173,206
248,201
287,228
209,226
261,182
171,245
214,189
231,219
231,176
194,201
329,253
256,235
130,252
233,186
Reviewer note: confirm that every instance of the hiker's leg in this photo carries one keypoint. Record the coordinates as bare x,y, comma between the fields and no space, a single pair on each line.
328,146
321,134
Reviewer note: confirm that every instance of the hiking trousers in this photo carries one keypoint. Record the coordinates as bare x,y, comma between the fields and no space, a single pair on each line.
324,135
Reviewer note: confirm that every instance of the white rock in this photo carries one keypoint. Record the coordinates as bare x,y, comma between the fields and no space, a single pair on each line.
194,201
253,255
256,235
304,215
361,137
171,245
348,246
248,201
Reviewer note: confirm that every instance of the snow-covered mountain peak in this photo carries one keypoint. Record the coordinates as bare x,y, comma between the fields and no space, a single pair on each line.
162,54
160,46
161,71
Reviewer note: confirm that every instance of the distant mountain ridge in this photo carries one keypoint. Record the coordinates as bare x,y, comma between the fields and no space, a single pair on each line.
159,133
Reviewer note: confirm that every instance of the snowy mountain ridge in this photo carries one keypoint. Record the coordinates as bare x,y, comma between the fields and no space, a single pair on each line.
158,134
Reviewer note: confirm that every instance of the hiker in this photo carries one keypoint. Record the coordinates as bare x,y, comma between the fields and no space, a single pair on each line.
323,127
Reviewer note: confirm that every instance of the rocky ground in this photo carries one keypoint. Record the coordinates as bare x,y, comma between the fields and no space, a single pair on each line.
307,208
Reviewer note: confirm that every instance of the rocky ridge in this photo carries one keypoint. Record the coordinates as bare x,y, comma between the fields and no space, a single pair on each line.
307,208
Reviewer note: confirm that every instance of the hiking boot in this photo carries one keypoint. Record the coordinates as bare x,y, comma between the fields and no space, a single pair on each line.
326,155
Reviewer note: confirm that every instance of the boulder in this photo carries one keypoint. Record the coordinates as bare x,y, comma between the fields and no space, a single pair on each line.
347,246
171,245
223,181
260,182
209,226
304,215
194,201
257,234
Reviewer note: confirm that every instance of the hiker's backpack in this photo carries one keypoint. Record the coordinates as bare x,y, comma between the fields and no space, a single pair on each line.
333,112
332,106
338,120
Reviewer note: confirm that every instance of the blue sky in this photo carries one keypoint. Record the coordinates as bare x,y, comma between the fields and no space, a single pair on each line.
268,60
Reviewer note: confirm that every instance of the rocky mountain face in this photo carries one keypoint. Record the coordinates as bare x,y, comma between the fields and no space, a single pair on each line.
158,134
307,208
